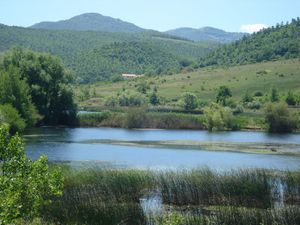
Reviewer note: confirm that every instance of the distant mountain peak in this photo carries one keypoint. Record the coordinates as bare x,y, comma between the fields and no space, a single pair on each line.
206,34
90,22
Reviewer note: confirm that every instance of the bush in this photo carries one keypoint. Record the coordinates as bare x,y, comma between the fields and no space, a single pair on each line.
247,98
218,118
238,110
258,94
131,99
112,102
291,99
253,105
25,186
189,101
10,116
280,119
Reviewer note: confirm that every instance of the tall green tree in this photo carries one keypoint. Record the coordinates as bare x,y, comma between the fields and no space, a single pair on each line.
49,84
223,93
16,92
154,100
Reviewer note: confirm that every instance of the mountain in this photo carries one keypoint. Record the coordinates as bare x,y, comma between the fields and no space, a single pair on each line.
278,42
90,22
95,56
206,34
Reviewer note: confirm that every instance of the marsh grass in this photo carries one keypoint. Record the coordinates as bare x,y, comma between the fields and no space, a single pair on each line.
233,216
206,187
113,196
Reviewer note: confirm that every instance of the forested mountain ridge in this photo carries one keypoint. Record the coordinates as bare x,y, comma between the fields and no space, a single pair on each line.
75,47
280,41
90,22
207,34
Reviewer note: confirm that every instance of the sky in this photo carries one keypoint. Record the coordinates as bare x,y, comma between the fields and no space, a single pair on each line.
162,15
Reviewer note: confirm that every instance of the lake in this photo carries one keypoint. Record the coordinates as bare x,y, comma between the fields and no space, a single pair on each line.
79,145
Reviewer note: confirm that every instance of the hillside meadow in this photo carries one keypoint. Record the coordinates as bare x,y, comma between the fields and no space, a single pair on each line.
283,75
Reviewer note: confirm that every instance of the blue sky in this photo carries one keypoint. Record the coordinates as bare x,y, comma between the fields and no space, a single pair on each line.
230,15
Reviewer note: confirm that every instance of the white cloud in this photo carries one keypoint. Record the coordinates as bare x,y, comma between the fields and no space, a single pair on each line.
251,28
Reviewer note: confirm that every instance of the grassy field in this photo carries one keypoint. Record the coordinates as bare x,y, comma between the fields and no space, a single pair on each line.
283,75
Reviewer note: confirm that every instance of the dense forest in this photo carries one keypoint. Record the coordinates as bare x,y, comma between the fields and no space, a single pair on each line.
96,49
280,41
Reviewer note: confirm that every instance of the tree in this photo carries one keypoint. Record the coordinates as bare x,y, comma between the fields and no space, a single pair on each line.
218,118
10,116
154,100
48,81
223,93
280,119
25,185
274,96
189,101
16,92
291,98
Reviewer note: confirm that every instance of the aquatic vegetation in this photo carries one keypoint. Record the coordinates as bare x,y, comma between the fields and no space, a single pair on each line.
202,196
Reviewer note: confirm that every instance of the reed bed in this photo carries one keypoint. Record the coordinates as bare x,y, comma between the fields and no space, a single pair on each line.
113,196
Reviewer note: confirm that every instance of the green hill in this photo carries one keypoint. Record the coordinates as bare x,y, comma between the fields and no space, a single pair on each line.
76,47
259,77
90,22
281,41
207,34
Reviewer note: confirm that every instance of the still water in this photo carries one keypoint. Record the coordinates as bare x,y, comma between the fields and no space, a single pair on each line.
66,144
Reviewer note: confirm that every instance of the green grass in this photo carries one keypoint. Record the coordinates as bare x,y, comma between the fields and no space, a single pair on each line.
283,75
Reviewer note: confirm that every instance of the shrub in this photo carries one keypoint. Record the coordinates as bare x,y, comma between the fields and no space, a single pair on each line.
131,99
258,94
247,98
280,119
189,101
25,185
253,105
238,109
112,102
218,118
291,98
10,116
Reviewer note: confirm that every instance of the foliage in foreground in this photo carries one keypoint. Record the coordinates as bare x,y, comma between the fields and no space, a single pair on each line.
25,185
